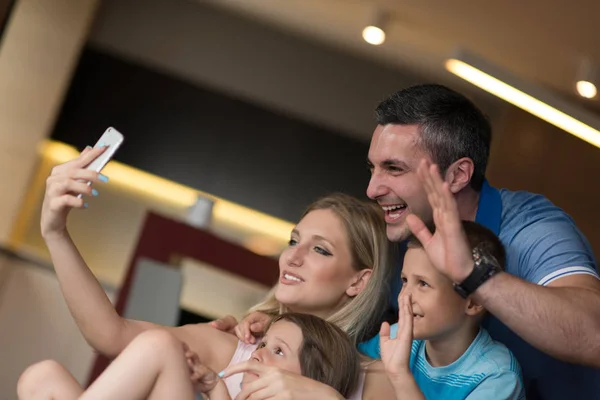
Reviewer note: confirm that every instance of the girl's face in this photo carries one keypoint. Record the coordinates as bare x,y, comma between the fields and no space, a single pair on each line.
280,347
316,268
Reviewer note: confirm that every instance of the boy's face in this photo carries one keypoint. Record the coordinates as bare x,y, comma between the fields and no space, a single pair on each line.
280,347
438,310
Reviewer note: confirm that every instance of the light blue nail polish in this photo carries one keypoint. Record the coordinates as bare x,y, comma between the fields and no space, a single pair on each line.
94,192
85,205
88,147
100,144
103,178
221,374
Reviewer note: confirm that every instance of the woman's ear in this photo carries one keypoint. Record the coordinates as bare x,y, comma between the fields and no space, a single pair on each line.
359,282
473,308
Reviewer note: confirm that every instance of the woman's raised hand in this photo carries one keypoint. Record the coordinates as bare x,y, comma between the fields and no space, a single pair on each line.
63,186
247,330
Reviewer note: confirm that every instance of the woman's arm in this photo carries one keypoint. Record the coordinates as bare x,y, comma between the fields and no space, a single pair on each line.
103,328
219,392
377,385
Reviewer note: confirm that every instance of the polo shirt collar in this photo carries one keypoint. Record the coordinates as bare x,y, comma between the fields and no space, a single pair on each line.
489,209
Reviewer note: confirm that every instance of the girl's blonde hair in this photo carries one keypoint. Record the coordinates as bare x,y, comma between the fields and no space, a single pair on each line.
367,241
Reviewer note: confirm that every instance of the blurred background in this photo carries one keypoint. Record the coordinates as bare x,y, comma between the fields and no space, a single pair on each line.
239,113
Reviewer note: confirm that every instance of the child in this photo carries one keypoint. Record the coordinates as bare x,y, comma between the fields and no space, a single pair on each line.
452,356
156,365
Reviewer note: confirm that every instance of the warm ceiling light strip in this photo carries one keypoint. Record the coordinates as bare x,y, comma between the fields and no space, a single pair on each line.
224,212
535,100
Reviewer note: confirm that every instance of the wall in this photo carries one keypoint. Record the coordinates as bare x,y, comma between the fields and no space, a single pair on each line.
207,140
248,60
36,325
530,154
38,51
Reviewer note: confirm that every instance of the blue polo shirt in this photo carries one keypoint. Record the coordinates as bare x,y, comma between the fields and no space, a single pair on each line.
542,244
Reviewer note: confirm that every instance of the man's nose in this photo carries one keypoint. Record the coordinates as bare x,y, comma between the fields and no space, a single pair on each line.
375,189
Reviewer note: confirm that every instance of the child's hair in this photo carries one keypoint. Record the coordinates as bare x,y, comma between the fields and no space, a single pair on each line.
368,244
478,237
326,354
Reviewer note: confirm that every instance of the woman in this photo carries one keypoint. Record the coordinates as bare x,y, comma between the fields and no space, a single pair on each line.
299,343
336,267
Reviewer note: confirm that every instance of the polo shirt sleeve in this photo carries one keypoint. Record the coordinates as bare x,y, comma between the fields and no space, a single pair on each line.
505,385
549,246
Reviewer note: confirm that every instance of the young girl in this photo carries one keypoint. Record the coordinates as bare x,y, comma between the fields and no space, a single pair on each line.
335,267
157,365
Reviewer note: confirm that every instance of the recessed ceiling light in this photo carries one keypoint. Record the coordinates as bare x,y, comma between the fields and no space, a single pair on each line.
373,35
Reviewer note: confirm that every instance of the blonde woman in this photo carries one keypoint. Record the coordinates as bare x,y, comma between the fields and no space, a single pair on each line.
336,267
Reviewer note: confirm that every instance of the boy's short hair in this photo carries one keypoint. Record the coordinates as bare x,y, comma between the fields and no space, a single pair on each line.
478,236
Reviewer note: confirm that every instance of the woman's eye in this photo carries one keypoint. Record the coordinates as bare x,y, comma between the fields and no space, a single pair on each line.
404,280
423,283
322,251
292,242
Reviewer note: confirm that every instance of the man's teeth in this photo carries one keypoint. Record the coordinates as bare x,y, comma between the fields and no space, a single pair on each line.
291,278
392,208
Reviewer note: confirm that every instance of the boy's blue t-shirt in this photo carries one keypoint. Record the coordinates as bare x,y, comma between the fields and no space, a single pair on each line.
487,370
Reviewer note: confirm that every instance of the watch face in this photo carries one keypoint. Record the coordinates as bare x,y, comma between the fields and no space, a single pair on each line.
482,256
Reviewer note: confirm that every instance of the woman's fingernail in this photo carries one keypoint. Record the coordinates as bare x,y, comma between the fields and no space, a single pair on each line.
88,147
221,374
85,205
94,192
103,178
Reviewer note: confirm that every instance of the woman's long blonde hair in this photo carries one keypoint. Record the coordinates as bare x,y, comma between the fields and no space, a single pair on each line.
369,248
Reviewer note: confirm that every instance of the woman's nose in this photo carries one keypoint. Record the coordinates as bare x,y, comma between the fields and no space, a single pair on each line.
295,257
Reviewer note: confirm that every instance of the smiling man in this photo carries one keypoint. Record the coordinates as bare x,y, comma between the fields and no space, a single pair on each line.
546,308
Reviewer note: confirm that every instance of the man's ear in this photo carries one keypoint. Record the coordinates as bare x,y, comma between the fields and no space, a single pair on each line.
459,174
472,308
359,283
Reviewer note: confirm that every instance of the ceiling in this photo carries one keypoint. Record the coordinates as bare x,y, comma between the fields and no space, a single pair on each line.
540,40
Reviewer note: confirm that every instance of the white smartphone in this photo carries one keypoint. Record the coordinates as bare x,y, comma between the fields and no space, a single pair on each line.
111,138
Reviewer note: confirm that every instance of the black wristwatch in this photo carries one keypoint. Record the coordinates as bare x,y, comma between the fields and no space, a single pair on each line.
485,266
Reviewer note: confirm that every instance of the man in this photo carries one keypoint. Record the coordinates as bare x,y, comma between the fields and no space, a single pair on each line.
546,309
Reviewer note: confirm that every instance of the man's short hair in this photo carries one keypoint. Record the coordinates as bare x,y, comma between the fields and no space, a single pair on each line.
451,126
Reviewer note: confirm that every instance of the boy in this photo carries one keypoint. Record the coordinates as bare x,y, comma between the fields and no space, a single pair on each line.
452,357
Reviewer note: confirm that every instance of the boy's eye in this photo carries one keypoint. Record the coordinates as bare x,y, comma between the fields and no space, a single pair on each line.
404,280
292,242
278,351
423,283
261,345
